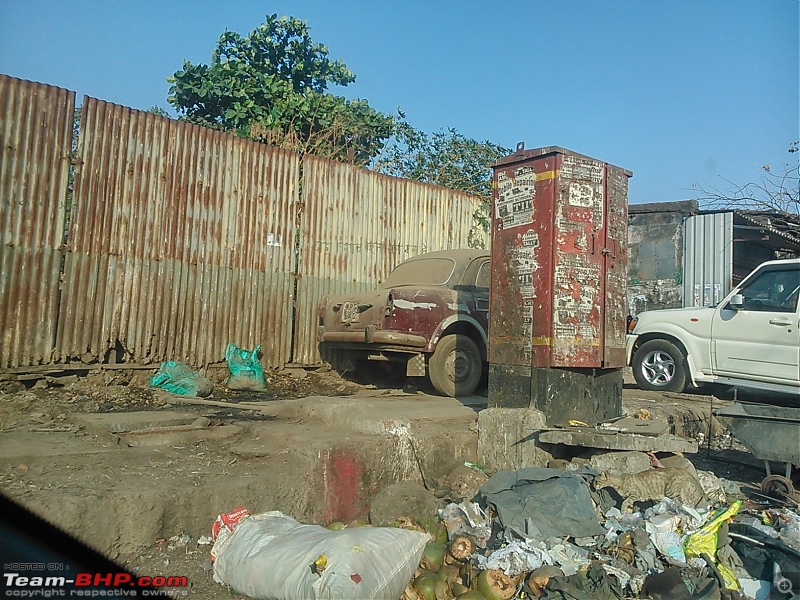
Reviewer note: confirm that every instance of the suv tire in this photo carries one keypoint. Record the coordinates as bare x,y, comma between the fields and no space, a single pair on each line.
456,366
659,365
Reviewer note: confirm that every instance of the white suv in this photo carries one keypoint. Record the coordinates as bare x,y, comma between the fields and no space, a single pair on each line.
750,339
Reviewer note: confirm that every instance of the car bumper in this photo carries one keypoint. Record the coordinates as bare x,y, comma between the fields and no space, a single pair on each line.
370,336
630,342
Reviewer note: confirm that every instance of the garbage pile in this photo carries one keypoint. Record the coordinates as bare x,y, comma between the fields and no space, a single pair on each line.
534,533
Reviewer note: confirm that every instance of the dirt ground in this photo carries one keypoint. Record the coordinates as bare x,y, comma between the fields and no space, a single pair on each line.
42,467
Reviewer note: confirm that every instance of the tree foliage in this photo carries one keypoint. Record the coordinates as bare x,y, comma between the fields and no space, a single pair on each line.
272,86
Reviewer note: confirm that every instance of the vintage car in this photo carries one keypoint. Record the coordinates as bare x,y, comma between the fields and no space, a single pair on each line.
430,317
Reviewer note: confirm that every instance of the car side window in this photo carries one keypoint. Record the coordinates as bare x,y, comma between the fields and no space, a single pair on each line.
773,291
483,277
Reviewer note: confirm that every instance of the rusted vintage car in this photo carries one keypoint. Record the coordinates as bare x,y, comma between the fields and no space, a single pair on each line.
430,317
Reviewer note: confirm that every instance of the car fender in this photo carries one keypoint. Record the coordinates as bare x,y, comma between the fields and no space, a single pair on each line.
457,318
697,344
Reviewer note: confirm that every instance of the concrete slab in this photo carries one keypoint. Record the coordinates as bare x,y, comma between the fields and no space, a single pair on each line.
132,421
181,435
380,415
633,425
619,441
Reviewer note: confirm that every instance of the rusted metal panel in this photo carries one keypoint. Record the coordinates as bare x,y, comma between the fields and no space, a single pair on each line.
616,266
357,226
558,261
182,240
655,258
35,137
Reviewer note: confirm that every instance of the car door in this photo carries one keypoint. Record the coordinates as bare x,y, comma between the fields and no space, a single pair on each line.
761,340
482,280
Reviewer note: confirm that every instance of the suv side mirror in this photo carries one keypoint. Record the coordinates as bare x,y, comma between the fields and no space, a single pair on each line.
737,301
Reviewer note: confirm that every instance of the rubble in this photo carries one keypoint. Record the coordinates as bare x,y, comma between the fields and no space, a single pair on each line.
547,533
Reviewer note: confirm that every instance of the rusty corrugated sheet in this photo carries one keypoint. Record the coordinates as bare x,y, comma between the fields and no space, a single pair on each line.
357,225
35,136
182,240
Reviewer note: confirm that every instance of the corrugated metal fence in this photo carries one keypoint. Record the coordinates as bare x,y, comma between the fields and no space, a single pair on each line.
171,251
357,225
182,239
35,136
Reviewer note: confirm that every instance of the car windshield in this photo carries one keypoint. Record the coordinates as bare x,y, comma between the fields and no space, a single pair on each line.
426,271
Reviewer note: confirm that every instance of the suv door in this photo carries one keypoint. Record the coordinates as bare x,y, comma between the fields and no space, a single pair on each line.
761,340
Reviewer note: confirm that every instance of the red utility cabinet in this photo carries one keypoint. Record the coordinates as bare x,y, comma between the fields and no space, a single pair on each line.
559,261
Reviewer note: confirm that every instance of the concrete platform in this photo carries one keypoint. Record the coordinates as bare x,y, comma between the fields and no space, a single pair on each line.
620,441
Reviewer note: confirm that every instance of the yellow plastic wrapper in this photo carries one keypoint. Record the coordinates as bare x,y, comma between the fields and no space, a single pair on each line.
704,541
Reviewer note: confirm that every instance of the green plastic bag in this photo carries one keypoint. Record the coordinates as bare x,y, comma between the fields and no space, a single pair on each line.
245,369
178,378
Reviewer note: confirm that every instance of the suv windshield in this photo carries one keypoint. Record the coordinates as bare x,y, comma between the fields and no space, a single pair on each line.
426,271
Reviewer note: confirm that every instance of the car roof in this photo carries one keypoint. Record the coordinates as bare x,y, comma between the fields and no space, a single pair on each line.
457,254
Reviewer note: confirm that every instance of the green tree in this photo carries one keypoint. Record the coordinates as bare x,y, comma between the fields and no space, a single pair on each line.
445,158
158,111
272,86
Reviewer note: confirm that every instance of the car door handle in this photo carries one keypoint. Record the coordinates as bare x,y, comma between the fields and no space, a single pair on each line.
780,322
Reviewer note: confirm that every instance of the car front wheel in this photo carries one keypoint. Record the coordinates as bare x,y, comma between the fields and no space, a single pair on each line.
659,365
455,366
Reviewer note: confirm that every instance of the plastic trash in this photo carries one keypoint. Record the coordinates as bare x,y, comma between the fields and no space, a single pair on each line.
245,369
273,556
704,542
178,378
469,519
517,558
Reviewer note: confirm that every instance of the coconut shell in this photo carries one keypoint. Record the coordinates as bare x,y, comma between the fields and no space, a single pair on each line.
537,580
462,547
458,589
496,585
425,585
442,591
359,522
449,573
433,557
472,595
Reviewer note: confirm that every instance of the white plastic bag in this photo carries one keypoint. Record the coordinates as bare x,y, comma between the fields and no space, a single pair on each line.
271,556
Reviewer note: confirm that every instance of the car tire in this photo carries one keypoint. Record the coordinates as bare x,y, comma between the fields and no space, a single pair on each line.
456,366
659,365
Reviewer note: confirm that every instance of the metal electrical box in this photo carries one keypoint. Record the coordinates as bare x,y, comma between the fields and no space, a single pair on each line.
559,265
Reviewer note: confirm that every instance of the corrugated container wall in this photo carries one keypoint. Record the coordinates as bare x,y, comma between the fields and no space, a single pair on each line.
708,259
181,241
35,136
358,225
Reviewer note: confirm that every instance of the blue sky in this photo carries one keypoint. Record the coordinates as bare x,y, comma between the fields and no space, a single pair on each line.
680,92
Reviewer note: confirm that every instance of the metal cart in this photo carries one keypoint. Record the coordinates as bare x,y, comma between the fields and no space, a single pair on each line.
770,433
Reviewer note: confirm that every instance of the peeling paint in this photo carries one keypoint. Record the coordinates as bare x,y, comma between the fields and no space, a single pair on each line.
406,304
557,286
